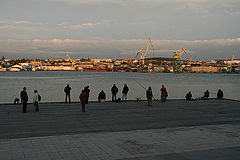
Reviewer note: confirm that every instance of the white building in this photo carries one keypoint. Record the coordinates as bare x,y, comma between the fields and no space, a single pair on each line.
227,61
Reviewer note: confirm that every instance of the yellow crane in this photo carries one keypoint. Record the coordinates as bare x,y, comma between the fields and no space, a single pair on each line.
130,60
230,65
177,66
69,59
178,54
142,54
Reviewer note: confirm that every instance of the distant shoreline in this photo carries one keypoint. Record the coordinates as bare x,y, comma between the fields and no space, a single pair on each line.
127,72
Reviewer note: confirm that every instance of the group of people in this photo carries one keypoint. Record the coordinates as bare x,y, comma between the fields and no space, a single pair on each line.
84,96
114,91
205,95
24,99
149,95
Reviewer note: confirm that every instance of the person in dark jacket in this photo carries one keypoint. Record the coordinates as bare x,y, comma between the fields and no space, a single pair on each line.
101,96
83,99
114,91
149,96
87,91
219,94
24,99
189,96
67,90
124,92
206,94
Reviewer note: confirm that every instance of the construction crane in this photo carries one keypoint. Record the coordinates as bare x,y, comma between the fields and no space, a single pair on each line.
142,54
176,59
69,59
130,60
230,65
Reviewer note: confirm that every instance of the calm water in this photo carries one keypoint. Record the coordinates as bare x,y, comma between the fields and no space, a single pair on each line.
51,84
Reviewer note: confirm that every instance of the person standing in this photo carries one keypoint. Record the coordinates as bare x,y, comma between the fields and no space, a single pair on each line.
124,92
83,99
67,90
114,91
149,96
163,94
87,91
24,99
35,100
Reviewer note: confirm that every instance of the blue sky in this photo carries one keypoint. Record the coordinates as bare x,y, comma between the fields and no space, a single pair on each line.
208,29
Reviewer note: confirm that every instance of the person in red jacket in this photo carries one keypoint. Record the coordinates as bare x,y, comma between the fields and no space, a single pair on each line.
163,94
83,99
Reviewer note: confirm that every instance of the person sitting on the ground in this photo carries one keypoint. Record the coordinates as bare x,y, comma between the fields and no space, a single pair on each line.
206,94
189,96
220,94
101,96
16,101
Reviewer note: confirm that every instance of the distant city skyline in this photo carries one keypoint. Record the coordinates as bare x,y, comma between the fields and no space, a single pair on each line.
208,29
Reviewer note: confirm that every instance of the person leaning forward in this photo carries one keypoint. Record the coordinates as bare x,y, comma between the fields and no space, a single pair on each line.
149,96
24,99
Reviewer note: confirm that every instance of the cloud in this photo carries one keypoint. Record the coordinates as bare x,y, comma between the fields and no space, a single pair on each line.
21,25
20,22
100,48
145,2
66,25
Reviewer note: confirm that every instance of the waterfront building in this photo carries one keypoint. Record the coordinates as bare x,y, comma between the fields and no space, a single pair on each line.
204,69
227,61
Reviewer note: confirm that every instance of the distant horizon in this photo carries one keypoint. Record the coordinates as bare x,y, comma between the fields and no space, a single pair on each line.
113,49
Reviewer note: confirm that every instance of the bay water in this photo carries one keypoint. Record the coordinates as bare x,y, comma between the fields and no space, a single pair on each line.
50,85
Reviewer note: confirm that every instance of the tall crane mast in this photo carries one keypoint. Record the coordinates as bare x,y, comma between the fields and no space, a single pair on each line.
176,57
230,65
142,54
69,59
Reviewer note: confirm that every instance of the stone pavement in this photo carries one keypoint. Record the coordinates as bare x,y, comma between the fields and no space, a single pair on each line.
176,130
220,142
60,118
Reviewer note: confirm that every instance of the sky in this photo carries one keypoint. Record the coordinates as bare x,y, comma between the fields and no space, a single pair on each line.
207,29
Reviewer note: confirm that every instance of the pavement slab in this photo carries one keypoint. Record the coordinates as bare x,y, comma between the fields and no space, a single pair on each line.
176,130
180,143
65,118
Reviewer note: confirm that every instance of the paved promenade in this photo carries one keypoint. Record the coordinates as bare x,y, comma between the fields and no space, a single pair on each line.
176,130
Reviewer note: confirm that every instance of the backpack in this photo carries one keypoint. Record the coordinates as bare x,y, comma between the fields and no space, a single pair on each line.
83,97
39,98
